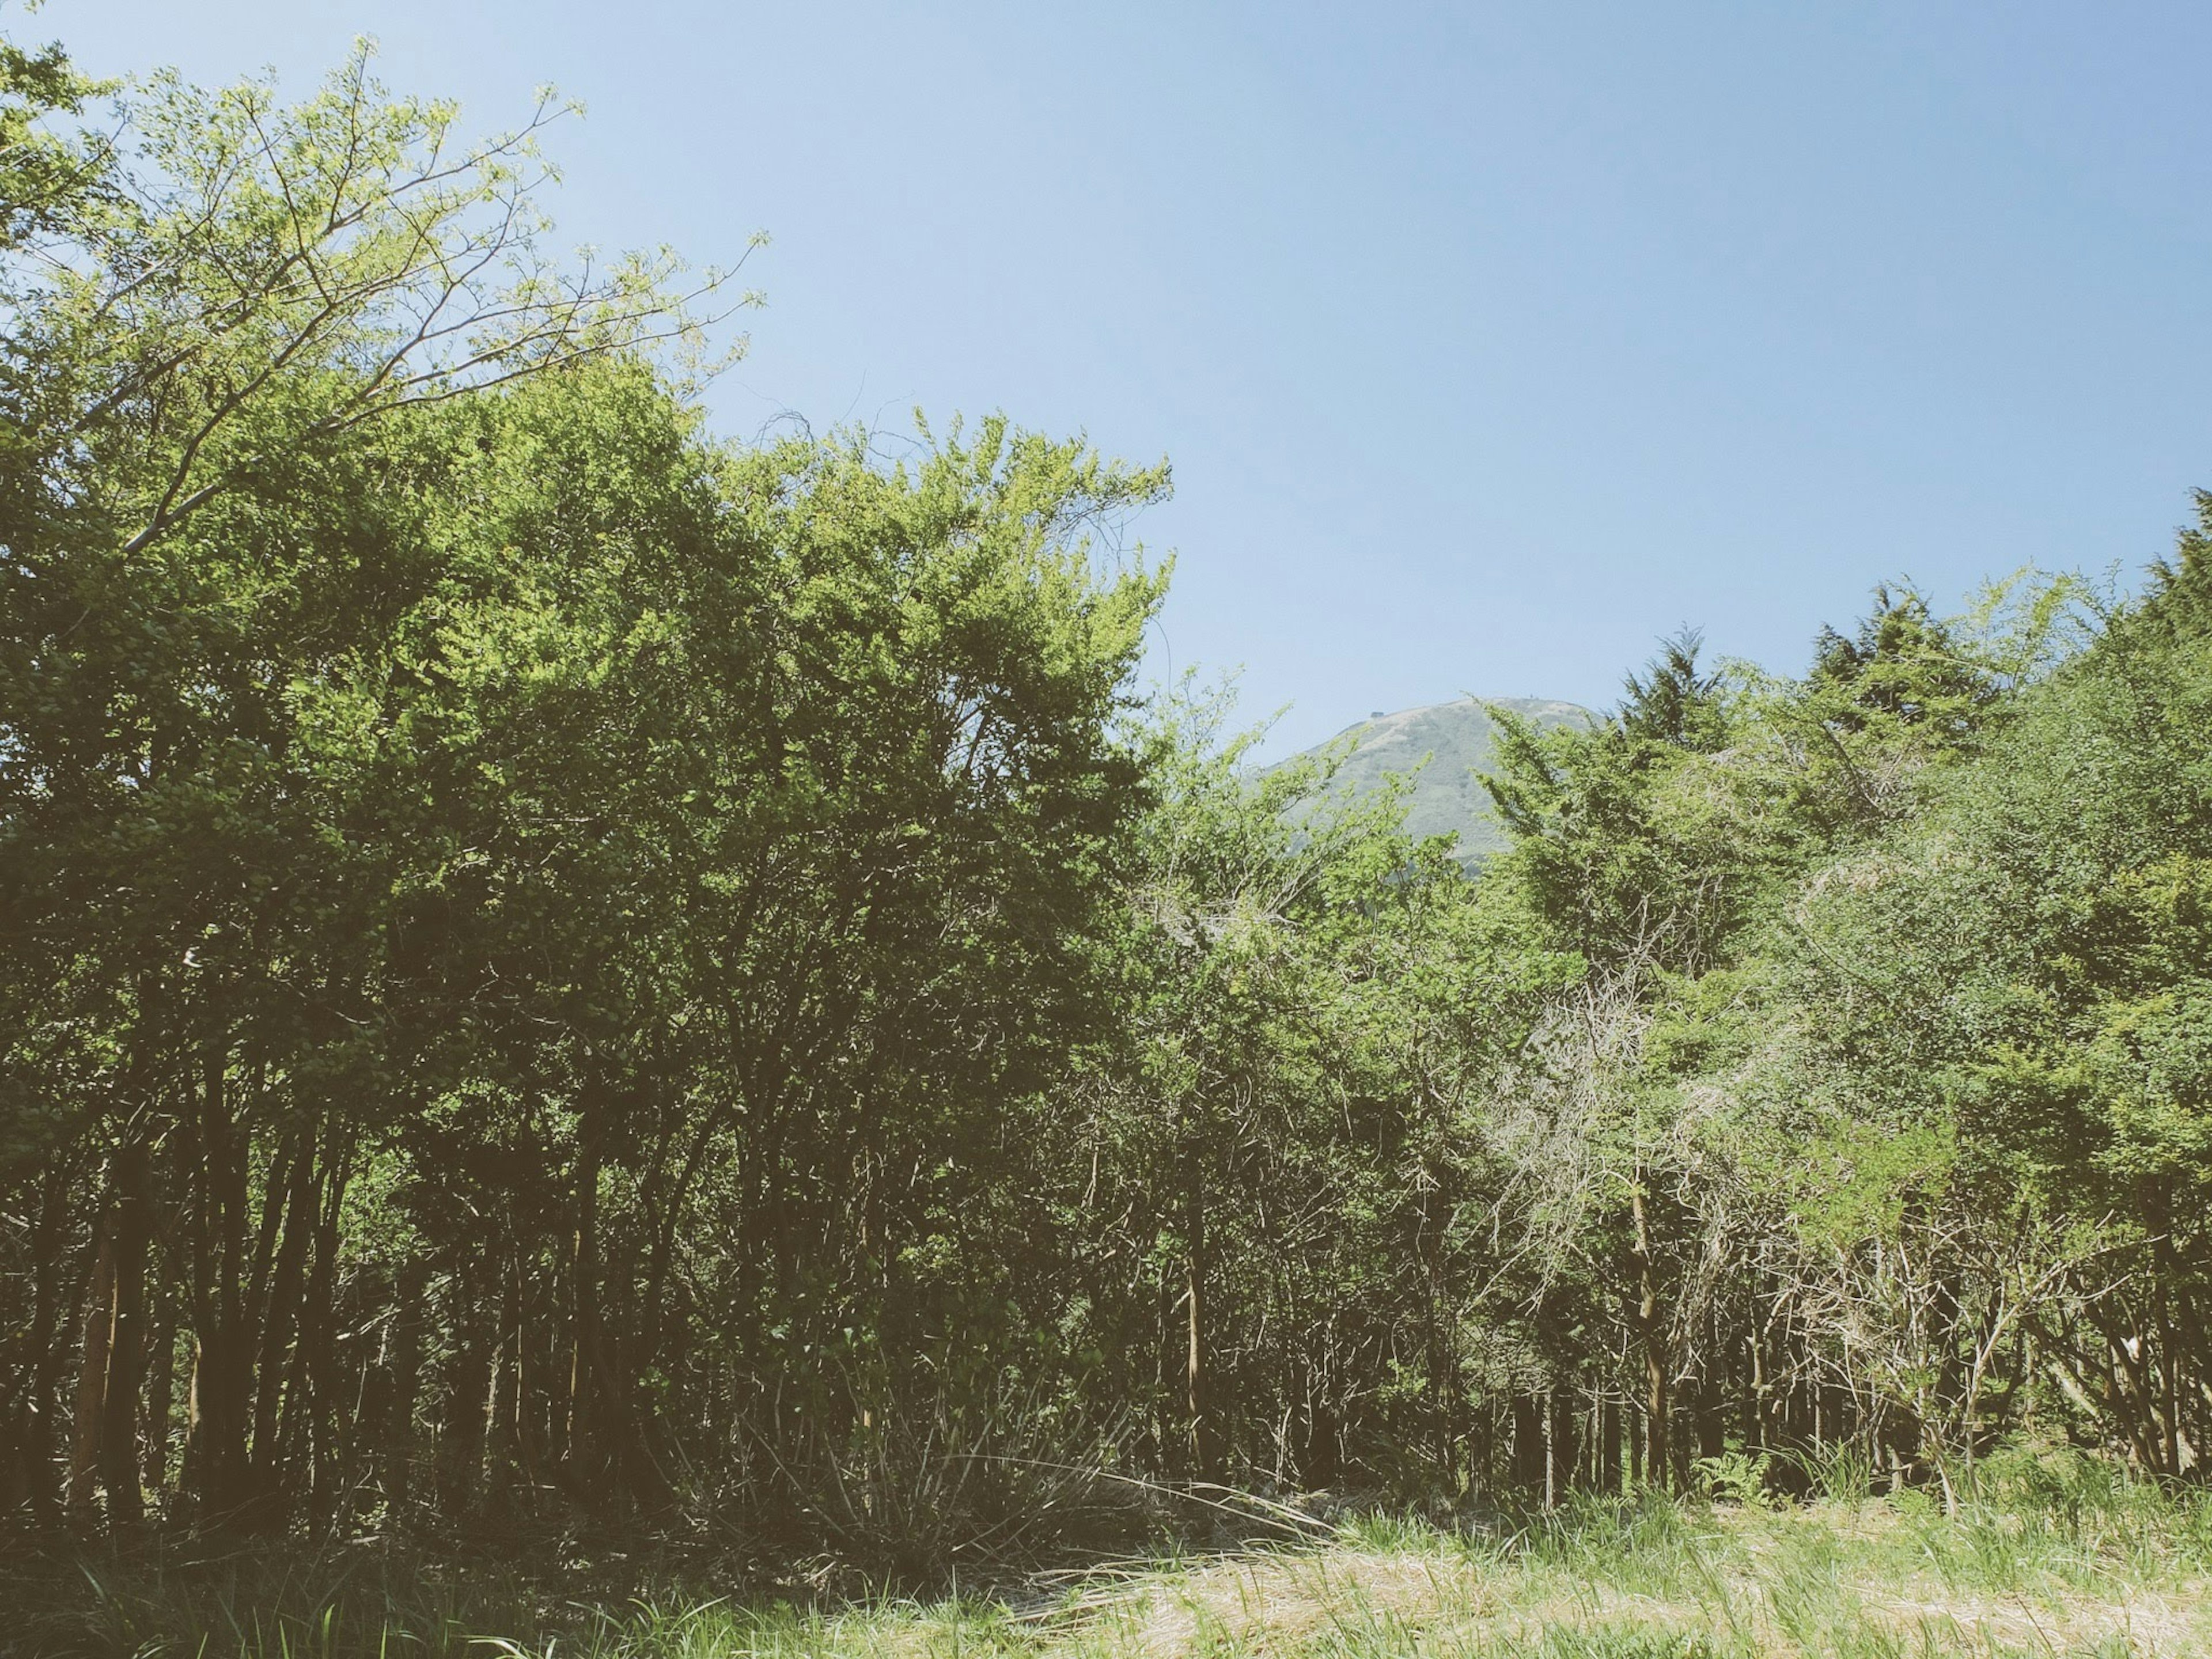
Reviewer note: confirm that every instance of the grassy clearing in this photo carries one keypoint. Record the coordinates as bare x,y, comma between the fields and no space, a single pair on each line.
2049,1558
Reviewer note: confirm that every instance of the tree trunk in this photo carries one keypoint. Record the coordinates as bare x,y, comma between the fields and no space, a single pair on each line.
39,1361
404,1375
1712,1415
126,1348
1442,1355
1563,1450
161,1390
1608,1468
306,1429
1656,1405
222,1363
461,1413
1528,1443
90,1415
276,1351
1204,1440
586,1364
507,1377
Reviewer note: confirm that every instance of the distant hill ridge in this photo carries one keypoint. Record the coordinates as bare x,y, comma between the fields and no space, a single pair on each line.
1458,740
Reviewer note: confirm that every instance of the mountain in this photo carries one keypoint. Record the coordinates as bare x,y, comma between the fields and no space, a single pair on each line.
1457,739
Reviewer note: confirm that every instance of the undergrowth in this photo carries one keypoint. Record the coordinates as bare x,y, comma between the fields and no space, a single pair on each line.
2049,1554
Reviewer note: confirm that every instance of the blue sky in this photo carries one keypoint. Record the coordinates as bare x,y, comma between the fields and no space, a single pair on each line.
1488,342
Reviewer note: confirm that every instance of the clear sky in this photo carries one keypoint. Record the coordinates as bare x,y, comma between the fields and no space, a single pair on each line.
1489,341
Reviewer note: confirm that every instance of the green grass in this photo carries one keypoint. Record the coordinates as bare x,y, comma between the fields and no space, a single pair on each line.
2048,1555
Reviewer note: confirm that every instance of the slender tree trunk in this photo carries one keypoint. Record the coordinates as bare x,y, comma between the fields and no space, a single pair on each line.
1712,1416
1609,1471
222,1365
161,1390
461,1426
404,1373
39,1361
1656,1468
1562,1448
1204,1446
587,1363
91,1416
508,1373
1635,1446
1529,1462
306,1433
1443,1361
275,1355
1754,1388
2158,1215
126,1348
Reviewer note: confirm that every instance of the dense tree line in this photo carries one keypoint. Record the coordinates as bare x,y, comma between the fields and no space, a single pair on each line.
1906,962
557,967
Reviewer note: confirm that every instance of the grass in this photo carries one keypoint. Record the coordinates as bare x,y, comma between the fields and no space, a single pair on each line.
2049,1556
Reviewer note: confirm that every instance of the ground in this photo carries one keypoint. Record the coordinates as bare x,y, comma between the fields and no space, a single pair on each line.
2046,1560
1827,1579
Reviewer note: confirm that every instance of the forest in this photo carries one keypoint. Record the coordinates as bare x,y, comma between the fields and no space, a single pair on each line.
561,975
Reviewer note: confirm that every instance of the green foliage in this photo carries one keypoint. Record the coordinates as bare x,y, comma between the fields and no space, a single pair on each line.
45,176
1733,1478
1674,700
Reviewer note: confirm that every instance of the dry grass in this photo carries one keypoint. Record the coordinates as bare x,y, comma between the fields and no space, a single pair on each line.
1824,1580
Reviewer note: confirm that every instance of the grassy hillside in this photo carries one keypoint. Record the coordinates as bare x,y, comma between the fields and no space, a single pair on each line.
1444,745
